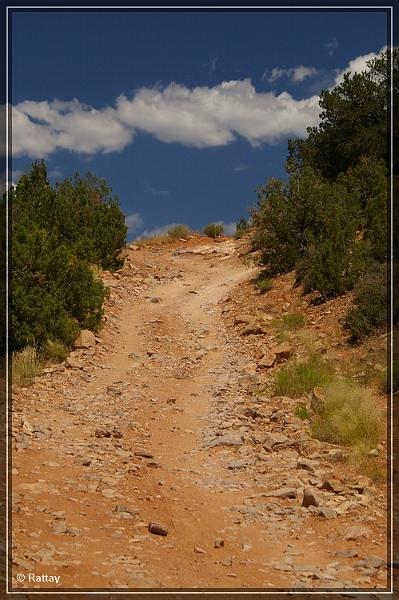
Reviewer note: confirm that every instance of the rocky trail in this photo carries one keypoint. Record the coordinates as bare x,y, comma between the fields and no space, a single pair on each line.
155,459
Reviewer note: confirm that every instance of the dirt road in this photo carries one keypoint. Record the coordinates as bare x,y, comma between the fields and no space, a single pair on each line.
164,421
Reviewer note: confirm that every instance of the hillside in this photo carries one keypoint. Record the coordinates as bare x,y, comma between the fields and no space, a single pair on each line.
170,417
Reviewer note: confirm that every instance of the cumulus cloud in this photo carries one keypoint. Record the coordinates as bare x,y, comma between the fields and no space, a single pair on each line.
300,73
200,117
162,230
358,65
228,228
205,117
296,74
40,128
133,222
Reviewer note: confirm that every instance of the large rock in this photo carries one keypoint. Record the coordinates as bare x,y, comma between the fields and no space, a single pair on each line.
157,528
327,512
284,492
254,328
283,351
272,439
267,361
309,498
73,363
226,440
333,485
86,339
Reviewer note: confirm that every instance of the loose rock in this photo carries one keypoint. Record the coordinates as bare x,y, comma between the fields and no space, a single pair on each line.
86,339
157,528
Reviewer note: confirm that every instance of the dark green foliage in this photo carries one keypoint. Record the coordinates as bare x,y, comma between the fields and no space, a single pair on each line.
325,264
213,230
263,284
371,298
308,223
368,184
275,233
354,121
179,231
329,220
241,228
57,235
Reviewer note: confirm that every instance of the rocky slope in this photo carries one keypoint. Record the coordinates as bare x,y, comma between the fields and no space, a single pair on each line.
157,457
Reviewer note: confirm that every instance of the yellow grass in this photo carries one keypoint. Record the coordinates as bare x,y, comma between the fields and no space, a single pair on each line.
25,366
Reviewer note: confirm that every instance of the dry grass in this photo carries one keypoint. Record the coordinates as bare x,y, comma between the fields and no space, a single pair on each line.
350,418
25,366
291,322
370,367
55,351
155,240
288,326
368,465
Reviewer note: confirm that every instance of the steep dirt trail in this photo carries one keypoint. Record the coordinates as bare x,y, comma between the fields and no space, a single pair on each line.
132,436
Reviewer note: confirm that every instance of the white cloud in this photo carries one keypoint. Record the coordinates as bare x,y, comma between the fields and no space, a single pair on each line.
200,117
40,128
162,230
228,228
149,189
205,117
331,46
296,74
241,167
301,73
358,65
133,222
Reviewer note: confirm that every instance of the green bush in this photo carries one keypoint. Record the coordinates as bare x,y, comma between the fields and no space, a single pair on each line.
275,233
179,231
263,284
213,230
329,220
370,310
296,379
241,228
60,237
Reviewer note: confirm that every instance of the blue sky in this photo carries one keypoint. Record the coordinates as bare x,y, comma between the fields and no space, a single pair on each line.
183,113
